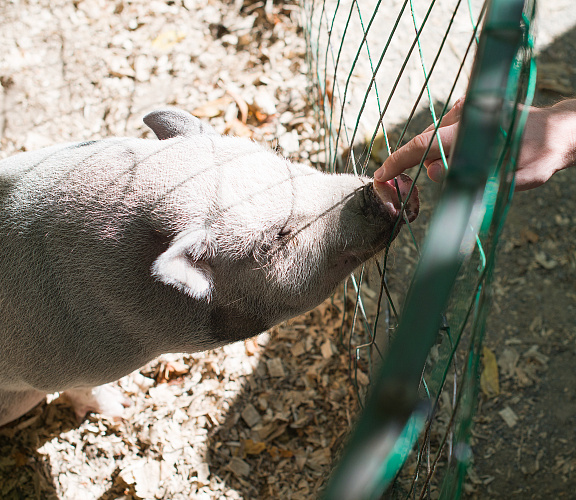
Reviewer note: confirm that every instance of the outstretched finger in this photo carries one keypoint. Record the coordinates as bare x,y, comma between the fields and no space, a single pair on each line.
411,153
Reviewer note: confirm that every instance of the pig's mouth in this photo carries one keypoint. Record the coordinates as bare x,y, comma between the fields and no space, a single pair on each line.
390,204
397,194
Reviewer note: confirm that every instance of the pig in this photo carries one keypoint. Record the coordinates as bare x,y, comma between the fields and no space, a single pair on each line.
115,251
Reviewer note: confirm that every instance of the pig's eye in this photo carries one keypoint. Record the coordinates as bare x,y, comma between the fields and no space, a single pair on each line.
284,233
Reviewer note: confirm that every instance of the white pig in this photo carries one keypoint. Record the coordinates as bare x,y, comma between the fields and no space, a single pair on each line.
115,251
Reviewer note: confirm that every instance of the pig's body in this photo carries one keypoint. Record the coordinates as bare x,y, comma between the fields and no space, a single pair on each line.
115,251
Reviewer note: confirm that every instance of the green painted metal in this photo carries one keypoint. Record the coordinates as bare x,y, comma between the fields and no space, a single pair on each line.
460,245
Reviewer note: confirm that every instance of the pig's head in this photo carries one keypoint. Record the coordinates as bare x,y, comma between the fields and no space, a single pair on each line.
278,236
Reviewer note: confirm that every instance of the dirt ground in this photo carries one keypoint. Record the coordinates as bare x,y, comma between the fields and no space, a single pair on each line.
532,329
265,418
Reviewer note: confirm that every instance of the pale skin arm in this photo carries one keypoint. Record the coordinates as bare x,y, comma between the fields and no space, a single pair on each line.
548,146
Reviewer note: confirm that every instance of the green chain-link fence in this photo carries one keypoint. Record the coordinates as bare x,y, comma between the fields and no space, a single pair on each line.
381,72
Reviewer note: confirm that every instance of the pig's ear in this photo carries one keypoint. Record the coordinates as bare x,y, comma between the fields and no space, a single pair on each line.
168,123
184,265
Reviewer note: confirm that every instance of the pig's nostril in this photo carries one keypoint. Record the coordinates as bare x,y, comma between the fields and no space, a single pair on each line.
387,192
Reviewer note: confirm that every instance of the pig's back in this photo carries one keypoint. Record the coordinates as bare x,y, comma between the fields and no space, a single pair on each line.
77,239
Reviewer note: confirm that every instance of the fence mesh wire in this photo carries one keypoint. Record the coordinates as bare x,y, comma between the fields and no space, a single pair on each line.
381,72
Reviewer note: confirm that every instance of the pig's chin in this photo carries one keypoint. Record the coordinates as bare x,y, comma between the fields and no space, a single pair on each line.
347,262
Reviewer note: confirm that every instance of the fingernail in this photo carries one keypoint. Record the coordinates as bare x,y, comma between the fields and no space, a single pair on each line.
436,171
379,175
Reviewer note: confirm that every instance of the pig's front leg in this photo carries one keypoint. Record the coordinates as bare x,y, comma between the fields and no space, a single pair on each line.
15,404
103,399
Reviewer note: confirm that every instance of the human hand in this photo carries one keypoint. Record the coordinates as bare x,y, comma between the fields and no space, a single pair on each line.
548,145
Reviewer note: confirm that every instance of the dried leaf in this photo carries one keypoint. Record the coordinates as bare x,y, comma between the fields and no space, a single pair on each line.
277,453
265,430
489,378
300,459
289,142
544,261
203,473
319,458
251,346
534,355
509,416
530,236
167,39
507,361
238,467
144,475
264,102
241,103
170,370
236,127
251,415
363,379
254,447
213,108
537,324
298,349
119,68
327,349
20,459
275,367
278,431
379,151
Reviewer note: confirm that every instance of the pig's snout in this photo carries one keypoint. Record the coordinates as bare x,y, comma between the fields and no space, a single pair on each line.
387,193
